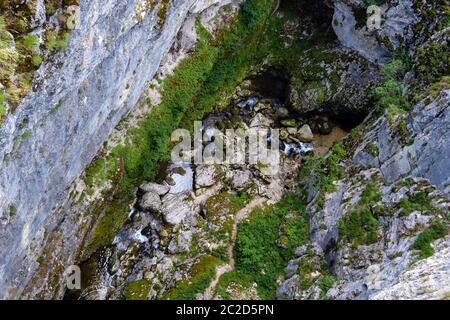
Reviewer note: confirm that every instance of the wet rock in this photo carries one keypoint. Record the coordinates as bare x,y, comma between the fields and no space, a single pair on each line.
305,134
170,181
150,202
240,179
292,131
284,134
324,127
155,188
176,208
205,176
260,121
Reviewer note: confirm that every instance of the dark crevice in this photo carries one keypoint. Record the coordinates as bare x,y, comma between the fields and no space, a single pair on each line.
272,84
320,12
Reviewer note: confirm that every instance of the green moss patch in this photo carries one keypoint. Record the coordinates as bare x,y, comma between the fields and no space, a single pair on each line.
260,257
202,274
419,201
423,242
359,226
137,290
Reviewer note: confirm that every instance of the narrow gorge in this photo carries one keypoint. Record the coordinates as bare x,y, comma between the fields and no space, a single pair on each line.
351,201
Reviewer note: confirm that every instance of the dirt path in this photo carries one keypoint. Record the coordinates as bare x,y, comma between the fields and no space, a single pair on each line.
222,269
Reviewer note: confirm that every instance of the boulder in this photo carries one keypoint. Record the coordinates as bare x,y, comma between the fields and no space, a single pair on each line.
261,106
205,176
305,134
284,134
260,121
176,207
155,188
150,202
324,127
240,179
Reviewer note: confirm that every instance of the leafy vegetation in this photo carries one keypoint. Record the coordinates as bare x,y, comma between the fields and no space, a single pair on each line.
326,283
391,94
436,231
359,226
325,171
434,62
195,88
266,242
201,275
419,201
57,41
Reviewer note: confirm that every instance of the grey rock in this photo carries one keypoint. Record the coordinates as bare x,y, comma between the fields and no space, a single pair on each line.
155,188
291,268
181,243
260,121
176,208
78,100
205,176
305,134
289,289
240,179
360,40
150,202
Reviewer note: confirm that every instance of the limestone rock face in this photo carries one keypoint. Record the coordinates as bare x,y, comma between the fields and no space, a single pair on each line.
428,279
79,98
425,155
360,40
396,22
387,267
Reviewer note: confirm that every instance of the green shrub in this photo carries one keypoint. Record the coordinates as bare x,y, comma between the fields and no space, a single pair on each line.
391,94
436,231
326,283
419,201
434,62
57,41
359,226
259,257
253,13
202,274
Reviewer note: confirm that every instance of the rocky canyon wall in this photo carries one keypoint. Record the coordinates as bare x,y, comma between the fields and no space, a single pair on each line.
78,99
